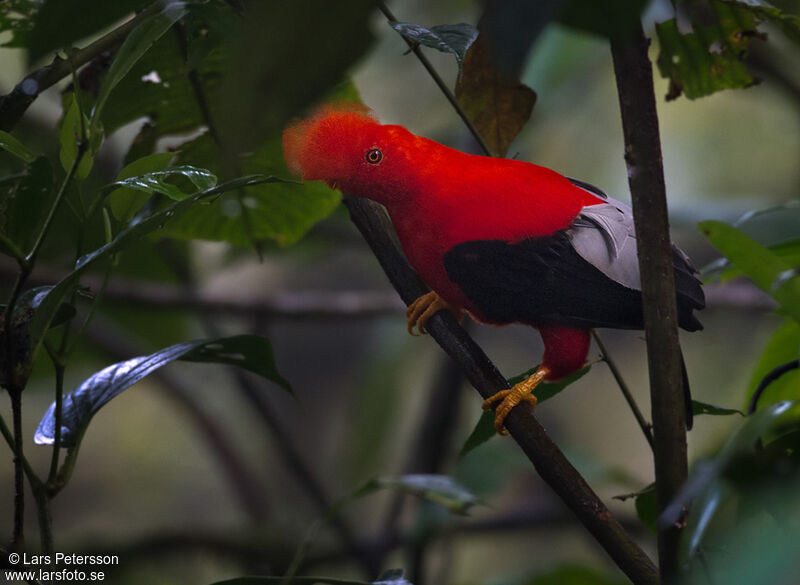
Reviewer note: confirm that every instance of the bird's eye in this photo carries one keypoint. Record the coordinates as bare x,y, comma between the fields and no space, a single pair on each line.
374,156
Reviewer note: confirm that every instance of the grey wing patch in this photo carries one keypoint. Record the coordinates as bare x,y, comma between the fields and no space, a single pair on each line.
604,236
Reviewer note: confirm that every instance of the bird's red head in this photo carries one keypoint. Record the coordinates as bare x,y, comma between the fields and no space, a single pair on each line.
347,148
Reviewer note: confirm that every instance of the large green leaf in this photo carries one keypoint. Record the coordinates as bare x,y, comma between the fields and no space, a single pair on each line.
136,44
60,23
710,58
159,88
783,347
250,352
133,233
25,205
760,264
283,213
447,38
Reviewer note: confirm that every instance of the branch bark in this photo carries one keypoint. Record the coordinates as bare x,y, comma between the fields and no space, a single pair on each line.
547,458
634,76
14,104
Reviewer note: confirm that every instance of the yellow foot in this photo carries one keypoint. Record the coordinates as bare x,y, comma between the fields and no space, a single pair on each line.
426,307
508,399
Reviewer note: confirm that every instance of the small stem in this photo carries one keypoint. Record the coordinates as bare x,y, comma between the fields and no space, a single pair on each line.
58,365
31,258
414,47
643,424
769,379
19,485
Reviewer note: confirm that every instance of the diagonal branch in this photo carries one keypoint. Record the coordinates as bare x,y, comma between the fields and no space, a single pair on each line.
14,104
547,458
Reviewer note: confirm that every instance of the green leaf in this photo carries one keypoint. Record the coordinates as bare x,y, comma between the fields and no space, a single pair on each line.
711,58
705,486
761,265
782,347
789,23
283,213
699,408
498,105
647,509
125,202
26,204
60,23
250,352
11,144
156,182
440,489
126,237
70,135
136,44
484,429
447,38
573,575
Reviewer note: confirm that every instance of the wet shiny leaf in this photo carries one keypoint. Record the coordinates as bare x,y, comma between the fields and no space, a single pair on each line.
447,38
250,352
125,202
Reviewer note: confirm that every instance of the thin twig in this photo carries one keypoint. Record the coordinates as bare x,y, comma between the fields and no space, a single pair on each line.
547,458
637,413
773,375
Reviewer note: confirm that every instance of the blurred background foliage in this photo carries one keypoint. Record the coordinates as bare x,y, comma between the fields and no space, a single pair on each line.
201,473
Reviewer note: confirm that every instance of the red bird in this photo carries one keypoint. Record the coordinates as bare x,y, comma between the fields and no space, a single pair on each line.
504,240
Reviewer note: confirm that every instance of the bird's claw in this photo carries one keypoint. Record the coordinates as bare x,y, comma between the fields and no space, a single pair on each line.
508,399
424,308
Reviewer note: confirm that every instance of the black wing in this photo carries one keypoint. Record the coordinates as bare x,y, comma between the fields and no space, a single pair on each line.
545,281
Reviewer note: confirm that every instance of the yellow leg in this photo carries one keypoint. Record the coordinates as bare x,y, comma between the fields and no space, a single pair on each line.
508,399
426,307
